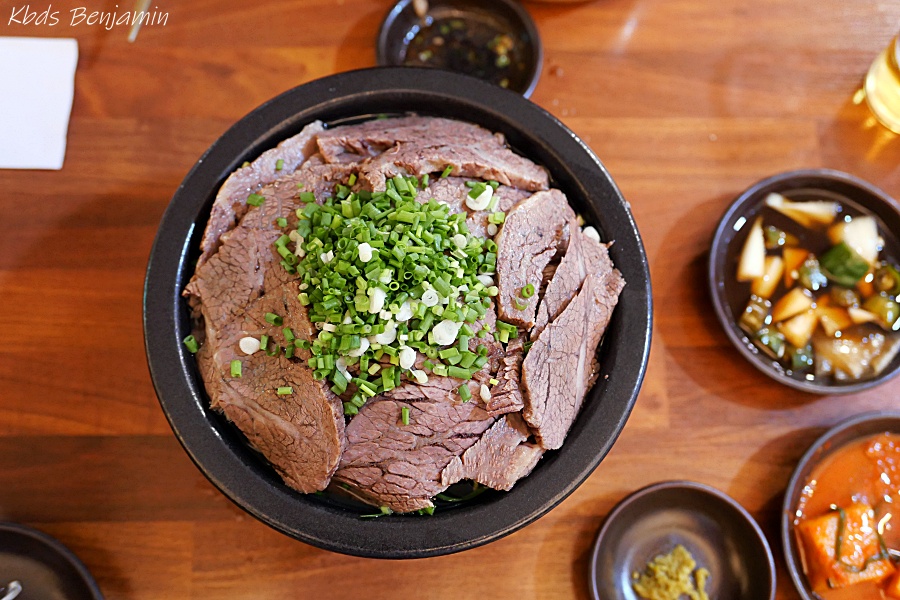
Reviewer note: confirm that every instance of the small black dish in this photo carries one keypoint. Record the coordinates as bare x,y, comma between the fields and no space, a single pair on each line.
719,533
840,435
401,25
45,568
729,296
224,456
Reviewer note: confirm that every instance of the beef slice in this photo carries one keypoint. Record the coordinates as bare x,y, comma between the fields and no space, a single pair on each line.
535,230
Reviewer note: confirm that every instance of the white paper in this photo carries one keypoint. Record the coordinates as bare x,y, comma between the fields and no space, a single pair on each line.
37,83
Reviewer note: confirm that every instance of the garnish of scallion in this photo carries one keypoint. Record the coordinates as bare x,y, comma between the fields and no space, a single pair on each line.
385,276
190,342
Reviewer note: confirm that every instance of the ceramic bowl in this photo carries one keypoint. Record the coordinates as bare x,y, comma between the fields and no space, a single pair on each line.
729,296
718,532
222,453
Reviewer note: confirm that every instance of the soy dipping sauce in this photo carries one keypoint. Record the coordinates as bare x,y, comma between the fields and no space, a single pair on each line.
471,45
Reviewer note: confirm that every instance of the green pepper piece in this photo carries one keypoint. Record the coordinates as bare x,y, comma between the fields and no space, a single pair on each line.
801,359
887,279
771,342
776,238
843,265
755,315
887,309
810,274
844,297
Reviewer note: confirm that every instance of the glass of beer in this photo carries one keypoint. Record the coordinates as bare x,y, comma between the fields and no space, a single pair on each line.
882,86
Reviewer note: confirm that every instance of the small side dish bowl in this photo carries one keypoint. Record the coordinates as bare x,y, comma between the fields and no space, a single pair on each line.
718,532
730,297
223,454
840,436
43,566
464,49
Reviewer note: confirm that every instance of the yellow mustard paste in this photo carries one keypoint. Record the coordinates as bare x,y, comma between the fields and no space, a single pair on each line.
672,577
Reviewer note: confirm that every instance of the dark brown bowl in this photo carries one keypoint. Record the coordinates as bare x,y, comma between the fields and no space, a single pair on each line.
728,240
715,529
44,567
401,24
220,451
840,435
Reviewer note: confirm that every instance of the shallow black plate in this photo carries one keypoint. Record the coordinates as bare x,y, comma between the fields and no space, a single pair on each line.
728,241
223,455
855,428
401,24
716,530
46,569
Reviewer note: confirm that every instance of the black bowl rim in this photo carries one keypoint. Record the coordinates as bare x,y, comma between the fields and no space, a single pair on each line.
59,549
735,209
680,484
393,536
788,542
513,6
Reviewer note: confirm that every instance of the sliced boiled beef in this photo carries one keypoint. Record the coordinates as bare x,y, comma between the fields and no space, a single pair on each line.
231,201
498,164
535,230
399,466
300,434
560,366
499,459
506,395
583,255
353,143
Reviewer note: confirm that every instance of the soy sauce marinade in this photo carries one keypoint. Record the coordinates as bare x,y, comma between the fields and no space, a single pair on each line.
477,47
816,240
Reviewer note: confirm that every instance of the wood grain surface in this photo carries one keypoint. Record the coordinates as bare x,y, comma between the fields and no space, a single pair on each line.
687,102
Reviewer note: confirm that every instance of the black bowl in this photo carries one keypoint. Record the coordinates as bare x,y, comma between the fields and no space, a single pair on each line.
43,566
840,435
718,532
730,296
217,447
401,24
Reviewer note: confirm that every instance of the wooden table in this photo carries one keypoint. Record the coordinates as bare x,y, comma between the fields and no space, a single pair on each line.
687,102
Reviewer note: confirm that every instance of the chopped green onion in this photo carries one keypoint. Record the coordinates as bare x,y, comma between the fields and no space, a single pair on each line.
274,319
364,259
279,164
447,171
285,391
281,222
404,415
528,291
190,342
458,372
255,200
464,393
236,368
